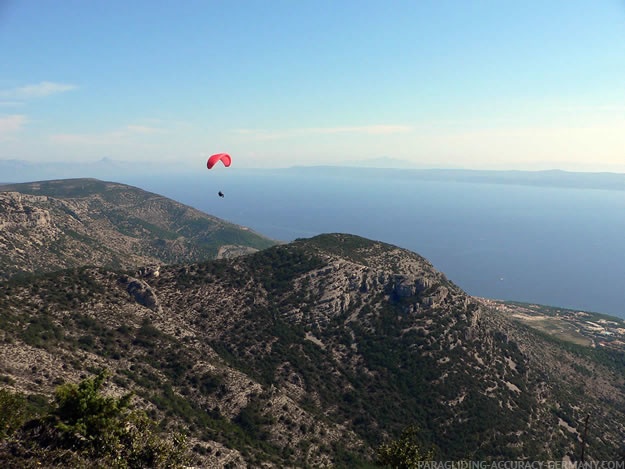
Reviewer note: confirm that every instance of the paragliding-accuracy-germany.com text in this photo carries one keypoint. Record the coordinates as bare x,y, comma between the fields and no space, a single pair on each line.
519,465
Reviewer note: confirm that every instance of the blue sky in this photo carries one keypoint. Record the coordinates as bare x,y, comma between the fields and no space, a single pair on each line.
464,84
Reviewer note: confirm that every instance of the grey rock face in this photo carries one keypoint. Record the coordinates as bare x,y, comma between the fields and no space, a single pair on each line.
141,292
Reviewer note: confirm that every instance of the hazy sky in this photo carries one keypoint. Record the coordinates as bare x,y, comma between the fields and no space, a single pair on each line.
466,84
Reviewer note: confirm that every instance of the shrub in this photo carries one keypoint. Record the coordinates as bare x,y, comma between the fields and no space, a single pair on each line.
13,412
405,452
86,428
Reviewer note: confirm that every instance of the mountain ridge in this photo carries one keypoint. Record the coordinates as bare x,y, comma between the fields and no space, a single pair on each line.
317,347
72,222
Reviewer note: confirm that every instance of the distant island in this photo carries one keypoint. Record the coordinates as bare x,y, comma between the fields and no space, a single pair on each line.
549,178
13,171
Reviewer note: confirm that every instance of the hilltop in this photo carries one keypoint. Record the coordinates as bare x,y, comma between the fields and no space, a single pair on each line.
313,353
51,225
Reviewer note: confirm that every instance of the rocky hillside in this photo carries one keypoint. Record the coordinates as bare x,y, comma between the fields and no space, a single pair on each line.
51,225
313,354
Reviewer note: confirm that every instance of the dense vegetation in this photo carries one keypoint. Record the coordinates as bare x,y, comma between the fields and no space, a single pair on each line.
82,427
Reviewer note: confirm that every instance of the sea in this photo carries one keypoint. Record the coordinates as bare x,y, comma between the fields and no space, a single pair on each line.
554,246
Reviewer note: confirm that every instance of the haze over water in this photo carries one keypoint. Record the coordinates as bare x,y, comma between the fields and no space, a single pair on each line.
554,246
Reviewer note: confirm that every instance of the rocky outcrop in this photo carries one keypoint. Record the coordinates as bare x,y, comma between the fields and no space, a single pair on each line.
405,286
149,271
141,292
19,210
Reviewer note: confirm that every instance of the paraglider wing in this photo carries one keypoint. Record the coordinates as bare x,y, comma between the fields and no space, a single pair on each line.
214,159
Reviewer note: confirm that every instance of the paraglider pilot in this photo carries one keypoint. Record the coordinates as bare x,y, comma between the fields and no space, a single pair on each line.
216,158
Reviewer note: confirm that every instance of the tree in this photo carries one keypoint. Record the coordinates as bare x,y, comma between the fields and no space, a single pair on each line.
86,428
405,452
13,412
86,418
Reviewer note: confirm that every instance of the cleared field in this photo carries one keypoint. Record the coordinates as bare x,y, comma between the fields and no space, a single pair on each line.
556,327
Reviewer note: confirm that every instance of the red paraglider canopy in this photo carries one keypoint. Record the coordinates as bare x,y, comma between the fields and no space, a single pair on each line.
214,159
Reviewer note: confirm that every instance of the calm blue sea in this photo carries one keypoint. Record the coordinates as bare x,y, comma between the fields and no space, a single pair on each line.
554,246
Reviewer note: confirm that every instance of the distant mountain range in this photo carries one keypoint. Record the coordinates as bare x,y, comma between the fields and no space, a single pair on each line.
14,170
20,171
380,162
306,354
551,178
